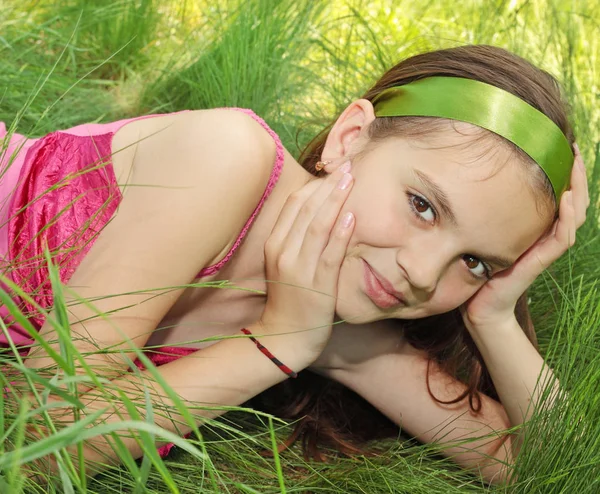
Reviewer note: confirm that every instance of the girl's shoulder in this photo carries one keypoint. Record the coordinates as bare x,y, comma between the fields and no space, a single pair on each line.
230,140
230,130
223,162
222,123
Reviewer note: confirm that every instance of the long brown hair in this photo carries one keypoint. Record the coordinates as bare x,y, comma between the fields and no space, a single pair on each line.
332,415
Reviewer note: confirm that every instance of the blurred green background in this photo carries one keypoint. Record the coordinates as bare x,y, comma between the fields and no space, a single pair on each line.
297,64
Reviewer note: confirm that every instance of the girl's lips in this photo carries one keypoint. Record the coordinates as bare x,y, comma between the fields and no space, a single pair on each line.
374,288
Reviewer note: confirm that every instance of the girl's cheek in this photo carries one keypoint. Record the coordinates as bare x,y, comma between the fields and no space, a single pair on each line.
389,224
453,292
377,201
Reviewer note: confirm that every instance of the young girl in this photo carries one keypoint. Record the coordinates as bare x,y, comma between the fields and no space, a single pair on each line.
447,189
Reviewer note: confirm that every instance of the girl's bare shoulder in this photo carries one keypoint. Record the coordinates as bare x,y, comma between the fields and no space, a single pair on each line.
199,145
215,164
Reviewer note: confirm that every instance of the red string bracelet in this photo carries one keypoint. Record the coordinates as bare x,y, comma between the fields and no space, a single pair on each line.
274,359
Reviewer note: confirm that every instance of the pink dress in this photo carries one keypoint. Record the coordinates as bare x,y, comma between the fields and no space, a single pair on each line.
59,191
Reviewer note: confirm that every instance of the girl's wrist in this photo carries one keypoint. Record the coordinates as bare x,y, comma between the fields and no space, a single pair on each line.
291,348
307,344
505,324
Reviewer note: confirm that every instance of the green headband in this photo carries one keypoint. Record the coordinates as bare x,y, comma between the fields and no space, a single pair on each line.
488,107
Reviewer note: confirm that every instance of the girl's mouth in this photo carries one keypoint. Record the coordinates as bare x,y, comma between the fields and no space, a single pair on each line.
376,292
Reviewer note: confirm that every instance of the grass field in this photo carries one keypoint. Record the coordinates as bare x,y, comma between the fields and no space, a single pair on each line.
297,63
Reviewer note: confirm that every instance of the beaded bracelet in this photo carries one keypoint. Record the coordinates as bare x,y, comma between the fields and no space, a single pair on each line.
274,359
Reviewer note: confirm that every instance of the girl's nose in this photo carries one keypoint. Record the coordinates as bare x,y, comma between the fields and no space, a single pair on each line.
424,268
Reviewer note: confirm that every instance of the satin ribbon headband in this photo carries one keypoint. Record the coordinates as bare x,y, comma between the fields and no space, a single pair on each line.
488,107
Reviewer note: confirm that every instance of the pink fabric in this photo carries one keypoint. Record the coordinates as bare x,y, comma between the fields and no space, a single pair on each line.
11,162
12,157
69,195
65,184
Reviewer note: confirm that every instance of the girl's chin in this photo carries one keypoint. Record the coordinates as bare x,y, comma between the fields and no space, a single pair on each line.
356,313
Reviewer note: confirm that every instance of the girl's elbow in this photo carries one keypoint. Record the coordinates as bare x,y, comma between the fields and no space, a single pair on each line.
494,465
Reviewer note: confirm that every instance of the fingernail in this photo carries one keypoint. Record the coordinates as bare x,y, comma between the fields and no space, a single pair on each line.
570,198
345,181
347,220
345,168
576,147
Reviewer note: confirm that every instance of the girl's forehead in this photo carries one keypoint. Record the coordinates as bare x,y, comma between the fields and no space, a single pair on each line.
464,150
464,142
493,205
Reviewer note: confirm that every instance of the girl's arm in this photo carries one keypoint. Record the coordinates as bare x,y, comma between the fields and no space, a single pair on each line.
515,367
376,362
176,217
227,373
395,383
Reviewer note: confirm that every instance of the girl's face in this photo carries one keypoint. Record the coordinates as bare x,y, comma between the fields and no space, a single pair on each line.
433,223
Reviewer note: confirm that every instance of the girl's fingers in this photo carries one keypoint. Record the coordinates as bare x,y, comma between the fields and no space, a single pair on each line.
287,222
333,255
549,249
562,235
580,193
579,162
289,213
567,226
318,233
317,215
566,229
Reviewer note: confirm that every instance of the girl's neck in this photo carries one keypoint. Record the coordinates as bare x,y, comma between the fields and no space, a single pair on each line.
293,177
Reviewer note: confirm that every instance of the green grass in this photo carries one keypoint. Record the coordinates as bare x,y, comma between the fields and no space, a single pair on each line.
296,64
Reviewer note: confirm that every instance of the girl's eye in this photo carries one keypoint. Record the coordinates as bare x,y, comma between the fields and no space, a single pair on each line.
477,267
422,208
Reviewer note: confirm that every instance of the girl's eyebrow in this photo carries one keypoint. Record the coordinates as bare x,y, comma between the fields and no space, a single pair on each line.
437,192
442,199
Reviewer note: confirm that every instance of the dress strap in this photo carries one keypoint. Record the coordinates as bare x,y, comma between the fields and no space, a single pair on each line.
275,173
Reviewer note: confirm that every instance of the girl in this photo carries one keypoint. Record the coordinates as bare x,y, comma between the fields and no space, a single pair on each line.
446,189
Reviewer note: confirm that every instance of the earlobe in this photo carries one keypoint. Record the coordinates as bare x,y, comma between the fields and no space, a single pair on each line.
322,164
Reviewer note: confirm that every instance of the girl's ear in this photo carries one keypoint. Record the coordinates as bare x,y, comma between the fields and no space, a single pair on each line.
349,131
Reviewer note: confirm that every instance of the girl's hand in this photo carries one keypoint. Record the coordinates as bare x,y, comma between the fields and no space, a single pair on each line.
303,257
495,302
